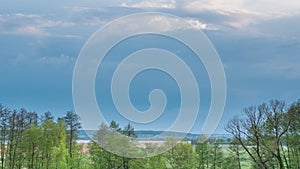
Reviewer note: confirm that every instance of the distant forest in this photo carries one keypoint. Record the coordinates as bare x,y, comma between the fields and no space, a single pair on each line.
264,136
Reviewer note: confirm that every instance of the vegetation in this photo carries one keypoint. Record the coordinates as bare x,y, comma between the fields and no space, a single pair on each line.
30,141
269,133
264,136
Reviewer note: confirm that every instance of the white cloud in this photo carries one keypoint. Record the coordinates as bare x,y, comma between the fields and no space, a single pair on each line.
168,4
210,5
27,30
263,8
200,25
196,23
28,24
57,61
158,23
89,16
241,15
60,61
240,23
80,9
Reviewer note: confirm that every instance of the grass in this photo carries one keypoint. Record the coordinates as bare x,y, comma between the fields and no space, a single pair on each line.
246,162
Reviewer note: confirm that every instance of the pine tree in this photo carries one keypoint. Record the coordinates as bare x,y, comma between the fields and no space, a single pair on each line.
73,125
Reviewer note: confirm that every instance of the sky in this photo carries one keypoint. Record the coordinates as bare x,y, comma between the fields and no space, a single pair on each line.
258,43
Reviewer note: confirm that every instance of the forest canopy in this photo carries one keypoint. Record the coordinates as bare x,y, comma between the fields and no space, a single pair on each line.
263,136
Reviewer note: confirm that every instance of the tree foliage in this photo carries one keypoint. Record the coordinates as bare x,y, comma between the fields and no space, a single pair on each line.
267,135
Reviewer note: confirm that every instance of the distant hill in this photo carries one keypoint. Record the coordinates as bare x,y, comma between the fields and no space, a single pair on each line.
154,135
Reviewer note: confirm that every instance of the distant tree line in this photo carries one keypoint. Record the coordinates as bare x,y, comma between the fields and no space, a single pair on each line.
206,153
264,136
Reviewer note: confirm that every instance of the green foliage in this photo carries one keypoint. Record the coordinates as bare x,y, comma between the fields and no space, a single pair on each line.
72,123
266,137
291,139
118,145
31,139
216,154
202,151
157,161
268,134
27,142
59,152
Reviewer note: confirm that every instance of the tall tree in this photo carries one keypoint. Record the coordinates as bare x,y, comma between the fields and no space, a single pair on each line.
236,150
169,145
4,126
129,131
292,137
48,142
104,142
202,150
59,152
275,127
114,126
250,128
263,128
184,156
47,116
16,127
30,145
73,125
179,154
216,154
157,161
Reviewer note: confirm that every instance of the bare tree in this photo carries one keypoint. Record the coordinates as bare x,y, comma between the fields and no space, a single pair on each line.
250,129
263,128
276,126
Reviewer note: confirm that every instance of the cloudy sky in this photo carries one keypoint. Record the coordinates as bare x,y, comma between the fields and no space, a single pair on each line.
257,41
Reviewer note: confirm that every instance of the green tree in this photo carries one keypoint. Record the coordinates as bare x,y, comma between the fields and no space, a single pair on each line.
103,140
157,162
262,133
48,141
184,156
169,145
115,126
235,150
251,129
202,151
292,136
4,127
30,145
18,121
73,125
216,154
179,154
276,126
59,151
129,131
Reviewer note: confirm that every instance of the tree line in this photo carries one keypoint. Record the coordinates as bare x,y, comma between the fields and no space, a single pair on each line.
263,136
175,154
28,140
